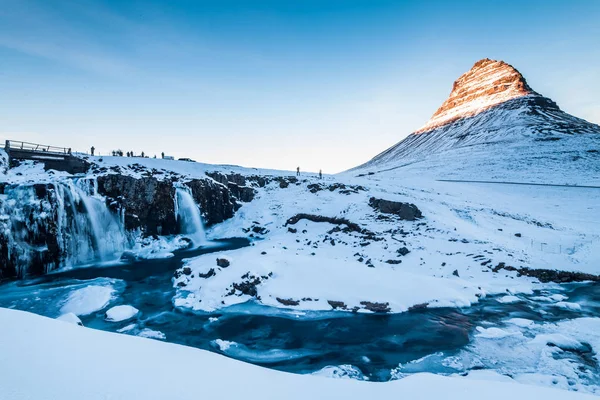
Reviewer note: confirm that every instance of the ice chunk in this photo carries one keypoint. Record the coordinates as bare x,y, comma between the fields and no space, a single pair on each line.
121,313
87,300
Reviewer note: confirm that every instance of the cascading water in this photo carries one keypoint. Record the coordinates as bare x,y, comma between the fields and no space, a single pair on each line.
66,223
106,228
188,214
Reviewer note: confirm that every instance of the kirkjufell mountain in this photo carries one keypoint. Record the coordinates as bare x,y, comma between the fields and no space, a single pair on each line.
494,126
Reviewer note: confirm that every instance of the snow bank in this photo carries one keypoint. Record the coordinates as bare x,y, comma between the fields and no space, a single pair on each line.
70,318
67,362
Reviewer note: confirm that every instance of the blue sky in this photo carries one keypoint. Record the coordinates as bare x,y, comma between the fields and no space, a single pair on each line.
320,84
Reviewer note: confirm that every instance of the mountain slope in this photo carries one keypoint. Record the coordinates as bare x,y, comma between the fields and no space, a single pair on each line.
494,126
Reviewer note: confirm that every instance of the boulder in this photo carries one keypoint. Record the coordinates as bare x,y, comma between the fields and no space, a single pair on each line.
406,211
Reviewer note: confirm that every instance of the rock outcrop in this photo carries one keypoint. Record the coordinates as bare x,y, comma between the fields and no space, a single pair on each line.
487,84
405,211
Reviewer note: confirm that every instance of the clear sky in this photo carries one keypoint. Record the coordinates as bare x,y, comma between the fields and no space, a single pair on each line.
319,84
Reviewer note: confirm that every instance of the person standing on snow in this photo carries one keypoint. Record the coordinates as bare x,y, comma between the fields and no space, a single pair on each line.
298,171
320,174
92,149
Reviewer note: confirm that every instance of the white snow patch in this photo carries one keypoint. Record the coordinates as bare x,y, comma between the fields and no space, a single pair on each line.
70,318
121,313
70,351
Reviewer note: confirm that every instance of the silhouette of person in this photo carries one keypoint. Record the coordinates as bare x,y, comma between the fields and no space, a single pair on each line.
298,171
320,174
162,154
92,149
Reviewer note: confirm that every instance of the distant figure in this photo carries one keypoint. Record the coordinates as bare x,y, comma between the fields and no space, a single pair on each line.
298,171
320,174
69,150
162,155
142,154
113,153
92,149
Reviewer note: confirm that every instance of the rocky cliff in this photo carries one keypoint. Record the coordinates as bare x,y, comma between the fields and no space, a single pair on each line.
44,226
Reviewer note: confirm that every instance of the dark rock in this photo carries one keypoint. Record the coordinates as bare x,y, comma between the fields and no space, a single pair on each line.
337,304
455,273
393,262
187,271
517,234
314,187
376,307
260,230
210,273
351,226
288,302
403,251
263,252
420,306
248,285
549,275
292,230
406,211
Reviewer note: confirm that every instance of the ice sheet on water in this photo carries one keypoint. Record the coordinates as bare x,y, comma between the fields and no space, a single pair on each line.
87,300
49,298
241,352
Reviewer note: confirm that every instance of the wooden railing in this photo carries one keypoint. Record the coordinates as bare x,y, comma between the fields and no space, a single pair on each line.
34,147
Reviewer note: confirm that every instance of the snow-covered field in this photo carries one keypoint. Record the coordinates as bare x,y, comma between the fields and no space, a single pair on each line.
71,362
467,229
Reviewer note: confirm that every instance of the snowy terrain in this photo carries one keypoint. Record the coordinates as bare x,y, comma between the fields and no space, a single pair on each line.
71,362
464,226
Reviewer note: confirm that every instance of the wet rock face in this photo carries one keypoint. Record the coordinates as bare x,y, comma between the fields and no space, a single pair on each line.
406,211
149,203
29,240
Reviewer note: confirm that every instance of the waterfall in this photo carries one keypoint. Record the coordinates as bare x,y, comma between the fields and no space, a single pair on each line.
60,224
189,219
106,228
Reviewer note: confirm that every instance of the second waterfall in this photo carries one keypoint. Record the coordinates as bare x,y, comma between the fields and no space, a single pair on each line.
189,218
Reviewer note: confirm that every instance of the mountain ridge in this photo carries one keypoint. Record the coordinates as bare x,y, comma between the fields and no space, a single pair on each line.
495,125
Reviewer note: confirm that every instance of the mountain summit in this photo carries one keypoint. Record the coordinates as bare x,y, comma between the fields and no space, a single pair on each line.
487,84
494,126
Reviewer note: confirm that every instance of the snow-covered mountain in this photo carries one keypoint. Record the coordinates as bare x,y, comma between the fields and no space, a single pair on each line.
494,126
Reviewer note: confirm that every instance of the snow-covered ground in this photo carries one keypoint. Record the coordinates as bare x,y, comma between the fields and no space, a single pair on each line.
71,362
467,229
315,267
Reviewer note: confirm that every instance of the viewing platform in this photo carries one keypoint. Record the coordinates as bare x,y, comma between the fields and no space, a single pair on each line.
57,158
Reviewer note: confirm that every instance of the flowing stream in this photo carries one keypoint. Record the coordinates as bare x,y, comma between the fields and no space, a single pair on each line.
378,346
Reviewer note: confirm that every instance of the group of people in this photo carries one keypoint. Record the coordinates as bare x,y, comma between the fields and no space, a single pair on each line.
130,154
320,173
